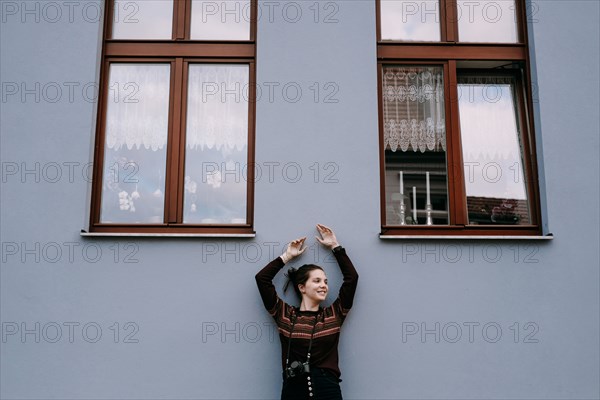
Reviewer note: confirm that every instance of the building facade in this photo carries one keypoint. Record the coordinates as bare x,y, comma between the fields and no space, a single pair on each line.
155,155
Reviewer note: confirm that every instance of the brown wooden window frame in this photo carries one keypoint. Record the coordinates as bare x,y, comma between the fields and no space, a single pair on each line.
447,52
179,52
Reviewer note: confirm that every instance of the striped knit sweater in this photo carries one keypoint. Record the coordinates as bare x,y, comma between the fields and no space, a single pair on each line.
329,320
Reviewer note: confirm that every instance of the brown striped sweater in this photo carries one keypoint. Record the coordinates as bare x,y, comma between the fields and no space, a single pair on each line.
324,353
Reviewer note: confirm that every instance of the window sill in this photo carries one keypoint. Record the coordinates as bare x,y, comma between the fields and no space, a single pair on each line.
549,236
166,235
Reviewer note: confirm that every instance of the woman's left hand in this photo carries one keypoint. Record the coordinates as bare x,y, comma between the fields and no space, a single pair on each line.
328,237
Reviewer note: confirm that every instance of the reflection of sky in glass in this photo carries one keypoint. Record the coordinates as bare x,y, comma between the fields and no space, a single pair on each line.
143,19
490,142
216,151
220,20
487,21
133,180
410,20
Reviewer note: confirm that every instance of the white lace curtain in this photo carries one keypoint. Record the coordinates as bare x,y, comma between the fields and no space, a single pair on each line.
138,106
217,106
413,109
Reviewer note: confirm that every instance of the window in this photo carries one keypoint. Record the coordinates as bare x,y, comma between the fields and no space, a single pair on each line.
456,135
175,132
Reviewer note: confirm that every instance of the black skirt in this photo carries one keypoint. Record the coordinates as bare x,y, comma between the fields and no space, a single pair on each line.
321,384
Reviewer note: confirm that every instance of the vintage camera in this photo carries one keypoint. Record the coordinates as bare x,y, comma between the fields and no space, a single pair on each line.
297,369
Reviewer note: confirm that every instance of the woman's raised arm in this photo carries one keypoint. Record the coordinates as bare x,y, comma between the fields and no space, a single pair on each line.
264,278
348,288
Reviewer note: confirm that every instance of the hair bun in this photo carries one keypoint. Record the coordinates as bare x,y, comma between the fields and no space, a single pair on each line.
291,277
291,273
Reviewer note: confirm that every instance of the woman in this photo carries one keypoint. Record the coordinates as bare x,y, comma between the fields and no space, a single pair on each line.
309,334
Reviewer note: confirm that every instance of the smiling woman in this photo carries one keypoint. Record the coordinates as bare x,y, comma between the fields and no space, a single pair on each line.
309,334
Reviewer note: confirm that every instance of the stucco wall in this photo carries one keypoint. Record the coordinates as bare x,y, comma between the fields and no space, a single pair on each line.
190,321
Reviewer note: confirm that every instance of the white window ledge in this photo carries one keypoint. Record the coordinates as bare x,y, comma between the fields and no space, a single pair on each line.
167,235
549,236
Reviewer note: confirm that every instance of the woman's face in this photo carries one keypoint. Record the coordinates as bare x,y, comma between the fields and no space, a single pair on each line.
315,287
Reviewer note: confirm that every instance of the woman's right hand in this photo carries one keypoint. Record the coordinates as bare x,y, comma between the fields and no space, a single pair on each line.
294,249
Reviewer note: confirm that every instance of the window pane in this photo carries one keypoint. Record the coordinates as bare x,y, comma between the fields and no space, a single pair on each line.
216,144
492,152
143,19
220,20
410,20
415,145
487,21
137,115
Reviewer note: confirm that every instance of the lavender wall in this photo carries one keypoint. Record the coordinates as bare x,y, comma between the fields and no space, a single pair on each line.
177,318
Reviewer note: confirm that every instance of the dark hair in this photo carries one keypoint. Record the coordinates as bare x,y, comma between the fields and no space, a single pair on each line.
299,276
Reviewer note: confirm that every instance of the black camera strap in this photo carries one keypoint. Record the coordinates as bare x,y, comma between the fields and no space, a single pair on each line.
294,319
